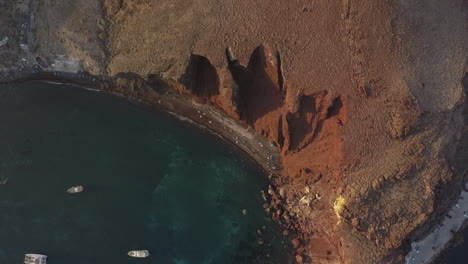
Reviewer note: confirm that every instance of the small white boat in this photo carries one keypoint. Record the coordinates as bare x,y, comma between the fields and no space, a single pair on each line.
3,180
139,253
76,189
35,259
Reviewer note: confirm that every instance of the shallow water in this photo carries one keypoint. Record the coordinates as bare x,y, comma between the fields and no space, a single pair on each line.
152,182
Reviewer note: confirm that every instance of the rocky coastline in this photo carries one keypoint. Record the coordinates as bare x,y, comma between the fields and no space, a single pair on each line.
160,95
355,110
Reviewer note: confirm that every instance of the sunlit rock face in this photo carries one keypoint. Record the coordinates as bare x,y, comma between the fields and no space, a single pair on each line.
364,100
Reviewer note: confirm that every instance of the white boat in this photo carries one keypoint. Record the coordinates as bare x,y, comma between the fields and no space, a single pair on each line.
76,189
3,180
139,253
35,259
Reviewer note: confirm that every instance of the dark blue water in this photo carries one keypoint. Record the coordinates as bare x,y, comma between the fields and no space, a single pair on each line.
152,182
458,254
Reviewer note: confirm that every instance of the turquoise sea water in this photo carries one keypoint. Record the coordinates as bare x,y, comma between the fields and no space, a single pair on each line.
152,182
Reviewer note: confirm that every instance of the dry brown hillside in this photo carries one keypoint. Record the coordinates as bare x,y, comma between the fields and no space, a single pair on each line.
364,100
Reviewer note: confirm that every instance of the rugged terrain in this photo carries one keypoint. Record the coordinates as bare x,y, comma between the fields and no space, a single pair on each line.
364,101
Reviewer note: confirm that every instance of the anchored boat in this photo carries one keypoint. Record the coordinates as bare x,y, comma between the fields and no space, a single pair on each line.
3,180
76,189
35,259
139,253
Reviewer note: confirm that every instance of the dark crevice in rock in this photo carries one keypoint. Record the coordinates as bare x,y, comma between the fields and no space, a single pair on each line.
242,78
346,7
335,107
158,83
302,122
258,88
306,123
201,77
280,72
280,132
41,62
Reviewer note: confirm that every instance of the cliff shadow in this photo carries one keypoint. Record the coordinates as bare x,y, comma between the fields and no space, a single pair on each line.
201,77
307,123
259,90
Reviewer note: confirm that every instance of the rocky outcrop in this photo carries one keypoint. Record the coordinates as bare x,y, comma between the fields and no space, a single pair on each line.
201,77
305,124
301,126
363,101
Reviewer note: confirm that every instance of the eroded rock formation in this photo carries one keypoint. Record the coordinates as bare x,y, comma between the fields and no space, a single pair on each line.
364,100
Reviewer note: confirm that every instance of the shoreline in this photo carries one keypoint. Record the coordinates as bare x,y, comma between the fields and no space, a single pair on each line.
428,249
164,98
181,106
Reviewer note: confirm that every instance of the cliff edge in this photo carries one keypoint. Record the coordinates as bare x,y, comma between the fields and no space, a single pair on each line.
365,101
